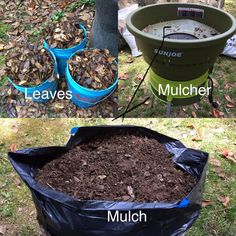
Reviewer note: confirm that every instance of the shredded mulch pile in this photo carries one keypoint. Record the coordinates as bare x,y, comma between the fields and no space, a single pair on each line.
64,34
121,167
29,65
93,69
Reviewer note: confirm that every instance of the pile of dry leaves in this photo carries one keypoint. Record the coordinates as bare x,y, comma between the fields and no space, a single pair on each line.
29,65
29,19
63,34
93,69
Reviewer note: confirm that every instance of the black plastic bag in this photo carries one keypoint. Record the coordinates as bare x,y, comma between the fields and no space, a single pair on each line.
63,215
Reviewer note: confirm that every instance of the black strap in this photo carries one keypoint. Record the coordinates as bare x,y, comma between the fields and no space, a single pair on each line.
131,109
210,96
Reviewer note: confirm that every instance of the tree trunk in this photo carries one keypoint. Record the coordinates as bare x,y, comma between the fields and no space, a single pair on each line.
104,32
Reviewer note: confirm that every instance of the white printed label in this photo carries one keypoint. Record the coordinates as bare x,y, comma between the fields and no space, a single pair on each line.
130,217
191,12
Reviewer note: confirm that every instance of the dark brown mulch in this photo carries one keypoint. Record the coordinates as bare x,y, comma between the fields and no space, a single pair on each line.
122,167
93,69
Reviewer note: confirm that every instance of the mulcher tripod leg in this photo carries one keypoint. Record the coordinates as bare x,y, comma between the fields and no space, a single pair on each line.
168,110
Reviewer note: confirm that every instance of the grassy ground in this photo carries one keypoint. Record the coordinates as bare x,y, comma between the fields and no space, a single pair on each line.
223,74
17,212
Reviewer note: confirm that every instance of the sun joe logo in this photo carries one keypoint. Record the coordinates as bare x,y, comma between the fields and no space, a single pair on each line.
168,53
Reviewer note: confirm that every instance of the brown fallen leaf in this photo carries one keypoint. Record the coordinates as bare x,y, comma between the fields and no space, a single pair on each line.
200,134
32,213
125,198
130,191
9,46
124,76
201,131
214,161
191,126
227,154
230,105
17,182
77,41
2,47
215,83
3,229
16,25
206,203
225,201
22,82
31,5
38,65
228,98
14,128
111,59
197,139
130,60
85,17
196,106
194,115
76,179
227,86
217,113
175,125
50,186
7,21
13,147
69,14
219,172
102,177
84,163
58,106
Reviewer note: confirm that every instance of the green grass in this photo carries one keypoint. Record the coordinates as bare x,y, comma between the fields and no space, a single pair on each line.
27,229
88,2
224,74
3,30
73,6
2,60
17,209
230,6
57,16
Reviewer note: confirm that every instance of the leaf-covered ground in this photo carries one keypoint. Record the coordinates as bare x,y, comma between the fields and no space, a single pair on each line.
218,217
29,19
224,77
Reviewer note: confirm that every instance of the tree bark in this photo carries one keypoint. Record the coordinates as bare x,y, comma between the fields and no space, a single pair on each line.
104,32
